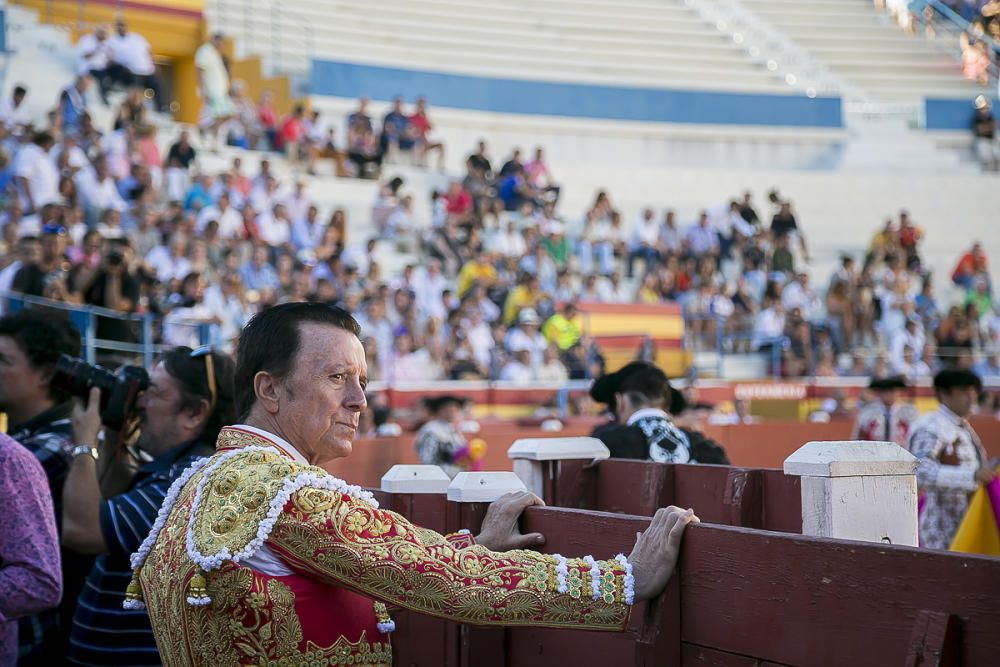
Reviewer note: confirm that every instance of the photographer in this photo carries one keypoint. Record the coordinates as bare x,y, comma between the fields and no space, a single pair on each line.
116,288
38,417
113,493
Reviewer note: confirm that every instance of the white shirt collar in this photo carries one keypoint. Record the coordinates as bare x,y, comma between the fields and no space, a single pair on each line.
279,442
641,413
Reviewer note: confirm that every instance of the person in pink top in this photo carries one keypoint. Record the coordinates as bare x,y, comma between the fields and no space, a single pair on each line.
30,571
538,176
421,127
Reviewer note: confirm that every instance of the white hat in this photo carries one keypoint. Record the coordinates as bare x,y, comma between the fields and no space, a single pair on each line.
528,316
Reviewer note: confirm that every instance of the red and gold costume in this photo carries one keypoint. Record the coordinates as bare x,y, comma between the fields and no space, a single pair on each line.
337,560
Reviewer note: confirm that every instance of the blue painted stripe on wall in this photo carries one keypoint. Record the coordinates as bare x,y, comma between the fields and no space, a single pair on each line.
942,114
518,96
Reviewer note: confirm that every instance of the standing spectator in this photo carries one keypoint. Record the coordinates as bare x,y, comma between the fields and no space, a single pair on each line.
133,62
73,103
784,224
35,174
115,287
213,85
421,126
33,278
30,577
93,56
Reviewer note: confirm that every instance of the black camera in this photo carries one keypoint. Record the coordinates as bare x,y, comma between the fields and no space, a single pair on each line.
119,390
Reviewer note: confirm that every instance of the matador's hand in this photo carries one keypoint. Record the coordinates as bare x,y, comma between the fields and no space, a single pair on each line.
656,550
500,531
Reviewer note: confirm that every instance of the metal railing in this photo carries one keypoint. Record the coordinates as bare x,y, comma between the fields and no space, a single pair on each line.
939,20
84,318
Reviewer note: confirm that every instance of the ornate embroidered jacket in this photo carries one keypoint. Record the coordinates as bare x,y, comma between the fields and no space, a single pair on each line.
333,553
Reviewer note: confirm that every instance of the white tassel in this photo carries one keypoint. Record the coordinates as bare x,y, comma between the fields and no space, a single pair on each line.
385,627
629,579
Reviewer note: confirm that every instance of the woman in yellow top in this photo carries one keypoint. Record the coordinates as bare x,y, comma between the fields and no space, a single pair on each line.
525,295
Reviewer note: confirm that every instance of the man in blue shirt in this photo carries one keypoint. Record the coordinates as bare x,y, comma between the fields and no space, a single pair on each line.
113,494
396,133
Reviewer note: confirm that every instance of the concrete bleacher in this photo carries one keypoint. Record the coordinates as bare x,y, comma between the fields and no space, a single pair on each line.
868,50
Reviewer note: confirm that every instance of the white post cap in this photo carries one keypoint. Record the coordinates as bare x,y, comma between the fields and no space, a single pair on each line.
558,449
483,487
851,458
415,479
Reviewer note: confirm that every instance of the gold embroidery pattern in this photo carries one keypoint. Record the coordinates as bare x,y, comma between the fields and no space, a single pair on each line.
379,553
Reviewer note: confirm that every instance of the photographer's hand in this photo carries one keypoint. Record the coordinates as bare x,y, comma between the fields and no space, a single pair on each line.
87,419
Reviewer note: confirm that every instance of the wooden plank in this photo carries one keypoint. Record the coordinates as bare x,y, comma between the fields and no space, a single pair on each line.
935,640
815,601
634,487
693,655
782,501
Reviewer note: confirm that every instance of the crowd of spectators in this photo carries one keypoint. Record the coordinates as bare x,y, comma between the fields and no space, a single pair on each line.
99,216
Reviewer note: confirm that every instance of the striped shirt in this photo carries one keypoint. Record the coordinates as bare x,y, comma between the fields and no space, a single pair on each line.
103,633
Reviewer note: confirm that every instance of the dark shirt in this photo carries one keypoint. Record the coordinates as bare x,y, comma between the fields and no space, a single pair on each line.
984,125
783,225
394,126
49,437
109,328
183,155
633,442
482,164
749,214
32,278
103,633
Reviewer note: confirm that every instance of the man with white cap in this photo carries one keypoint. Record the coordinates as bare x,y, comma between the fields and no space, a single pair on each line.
526,336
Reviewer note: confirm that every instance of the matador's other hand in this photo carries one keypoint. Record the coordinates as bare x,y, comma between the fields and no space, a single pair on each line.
656,550
500,531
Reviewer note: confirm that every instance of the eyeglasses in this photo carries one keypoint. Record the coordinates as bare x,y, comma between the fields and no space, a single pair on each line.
205,351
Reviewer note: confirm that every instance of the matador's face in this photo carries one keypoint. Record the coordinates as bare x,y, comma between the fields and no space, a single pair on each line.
322,398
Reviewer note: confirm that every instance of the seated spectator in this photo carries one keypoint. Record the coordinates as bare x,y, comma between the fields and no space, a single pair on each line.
701,239
35,175
421,129
182,152
14,114
643,242
258,273
527,336
132,62
538,176
93,56
551,370
768,327
970,265
268,117
984,133
291,134
988,366
518,368
397,136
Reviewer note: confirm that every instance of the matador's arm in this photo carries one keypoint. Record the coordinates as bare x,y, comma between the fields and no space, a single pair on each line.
338,538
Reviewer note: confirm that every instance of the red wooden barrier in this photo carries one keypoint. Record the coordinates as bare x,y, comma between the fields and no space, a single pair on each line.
742,597
748,497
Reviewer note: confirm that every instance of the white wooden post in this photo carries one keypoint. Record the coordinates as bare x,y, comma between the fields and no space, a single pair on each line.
534,458
857,490
415,479
483,487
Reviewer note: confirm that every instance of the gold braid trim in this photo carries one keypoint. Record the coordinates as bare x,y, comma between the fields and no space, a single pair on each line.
336,538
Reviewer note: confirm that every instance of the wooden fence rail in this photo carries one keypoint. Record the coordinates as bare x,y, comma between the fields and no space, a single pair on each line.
741,596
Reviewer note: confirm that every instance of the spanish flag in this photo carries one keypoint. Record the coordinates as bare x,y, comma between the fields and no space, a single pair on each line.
979,532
